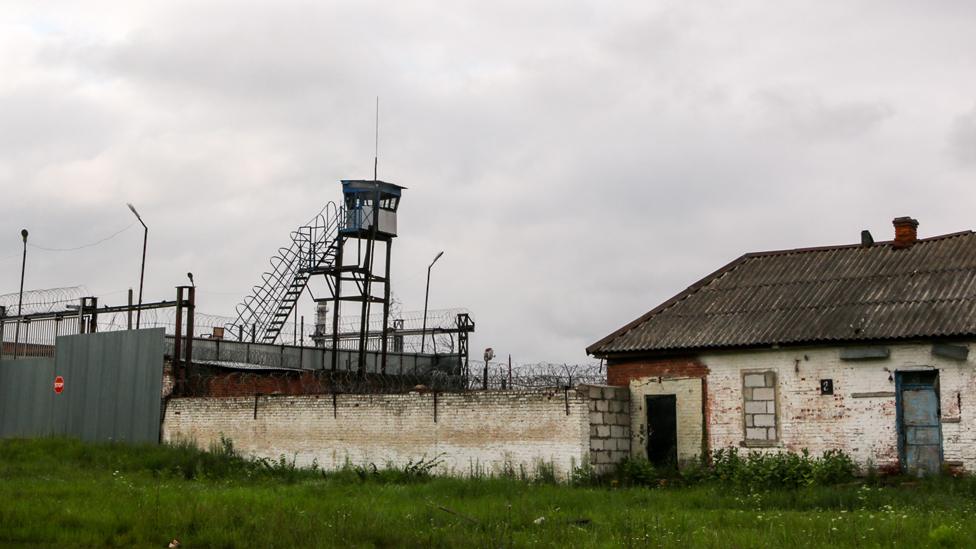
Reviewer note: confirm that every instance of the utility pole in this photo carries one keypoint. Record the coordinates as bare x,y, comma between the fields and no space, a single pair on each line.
423,331
20,298
142,270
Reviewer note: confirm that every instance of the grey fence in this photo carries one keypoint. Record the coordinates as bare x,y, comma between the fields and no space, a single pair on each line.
289,357
110,389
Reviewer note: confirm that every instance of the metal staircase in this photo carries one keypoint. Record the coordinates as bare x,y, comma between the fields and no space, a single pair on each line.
265,311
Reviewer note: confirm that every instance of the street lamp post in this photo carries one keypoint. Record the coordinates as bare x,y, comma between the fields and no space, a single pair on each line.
142,271
423,332
20,298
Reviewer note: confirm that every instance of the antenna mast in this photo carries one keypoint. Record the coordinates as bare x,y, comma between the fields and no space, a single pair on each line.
376,154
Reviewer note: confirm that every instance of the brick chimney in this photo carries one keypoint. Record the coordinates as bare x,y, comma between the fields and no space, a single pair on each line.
906,232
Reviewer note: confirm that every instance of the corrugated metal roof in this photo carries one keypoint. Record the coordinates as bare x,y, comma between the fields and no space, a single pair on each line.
813,295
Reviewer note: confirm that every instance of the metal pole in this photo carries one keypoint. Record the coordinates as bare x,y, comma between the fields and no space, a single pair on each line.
142,274
129,313
178,343
367,292
337,294
386,308
423,331
81,316
188,363
3,313
20,299
93,318
142,270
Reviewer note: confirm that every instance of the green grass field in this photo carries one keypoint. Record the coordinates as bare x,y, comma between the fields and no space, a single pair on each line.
68,494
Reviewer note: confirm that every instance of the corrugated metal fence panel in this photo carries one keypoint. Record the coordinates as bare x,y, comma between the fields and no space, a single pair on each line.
112,389
26,393
112,385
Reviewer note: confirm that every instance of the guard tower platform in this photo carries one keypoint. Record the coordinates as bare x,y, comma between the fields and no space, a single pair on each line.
371,208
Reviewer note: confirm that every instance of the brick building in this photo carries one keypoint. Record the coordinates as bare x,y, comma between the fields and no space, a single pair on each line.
863,348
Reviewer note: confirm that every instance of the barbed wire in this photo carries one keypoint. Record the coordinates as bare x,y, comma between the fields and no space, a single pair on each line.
538,375
203,380
43,301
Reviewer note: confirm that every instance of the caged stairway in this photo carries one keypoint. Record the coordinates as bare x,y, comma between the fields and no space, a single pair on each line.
314,245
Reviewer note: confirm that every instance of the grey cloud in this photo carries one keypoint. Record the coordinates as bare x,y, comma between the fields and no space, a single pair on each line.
578,163
805,114
962,138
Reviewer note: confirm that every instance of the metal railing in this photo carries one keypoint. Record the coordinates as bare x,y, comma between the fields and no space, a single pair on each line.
35,334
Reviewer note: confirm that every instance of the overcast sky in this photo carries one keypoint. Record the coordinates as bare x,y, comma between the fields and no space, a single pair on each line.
579,162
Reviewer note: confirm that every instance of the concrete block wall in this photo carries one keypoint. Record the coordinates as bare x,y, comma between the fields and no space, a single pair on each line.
479,432
609,419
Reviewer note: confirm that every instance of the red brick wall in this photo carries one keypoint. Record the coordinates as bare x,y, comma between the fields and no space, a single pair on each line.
245,384
620,373
27,350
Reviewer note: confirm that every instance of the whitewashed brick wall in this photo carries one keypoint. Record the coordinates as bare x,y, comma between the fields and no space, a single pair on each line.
688,403
474,432
859,418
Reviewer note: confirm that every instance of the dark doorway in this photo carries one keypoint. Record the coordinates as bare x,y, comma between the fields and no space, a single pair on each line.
662,430
919,422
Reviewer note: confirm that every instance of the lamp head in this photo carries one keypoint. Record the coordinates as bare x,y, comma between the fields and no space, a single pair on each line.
133,210
23,234
190,276
436,257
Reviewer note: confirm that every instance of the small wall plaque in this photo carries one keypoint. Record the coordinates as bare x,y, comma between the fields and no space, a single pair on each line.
826,386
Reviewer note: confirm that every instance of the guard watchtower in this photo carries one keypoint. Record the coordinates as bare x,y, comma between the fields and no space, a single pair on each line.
370,217
371,207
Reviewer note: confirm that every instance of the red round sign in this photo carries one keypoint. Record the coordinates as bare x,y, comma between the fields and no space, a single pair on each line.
58,384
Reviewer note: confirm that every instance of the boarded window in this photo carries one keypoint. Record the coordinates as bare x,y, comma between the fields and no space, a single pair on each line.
759,408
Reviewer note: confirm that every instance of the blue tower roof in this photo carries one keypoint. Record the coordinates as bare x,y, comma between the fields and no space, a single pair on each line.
368,185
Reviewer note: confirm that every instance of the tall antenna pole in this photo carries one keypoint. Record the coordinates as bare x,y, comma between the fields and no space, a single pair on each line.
376,154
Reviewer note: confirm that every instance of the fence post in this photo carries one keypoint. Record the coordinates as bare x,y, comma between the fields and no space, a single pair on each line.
26,337
81,316
178,343
509,370
93,318
188,363
3,313
129,312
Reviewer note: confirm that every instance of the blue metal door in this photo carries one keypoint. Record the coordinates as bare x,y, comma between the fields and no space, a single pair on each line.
919,424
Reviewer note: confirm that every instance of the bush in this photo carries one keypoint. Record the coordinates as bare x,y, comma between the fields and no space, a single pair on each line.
637,472
758,470
583,474
834,467
413,471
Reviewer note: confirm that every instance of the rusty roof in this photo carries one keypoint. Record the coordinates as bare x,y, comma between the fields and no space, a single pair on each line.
816,295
